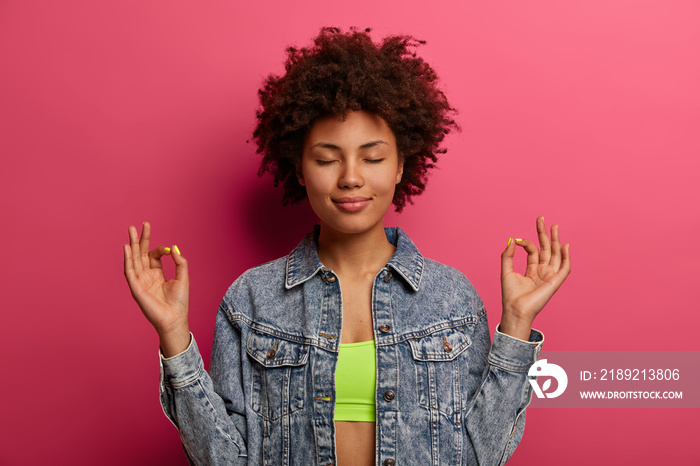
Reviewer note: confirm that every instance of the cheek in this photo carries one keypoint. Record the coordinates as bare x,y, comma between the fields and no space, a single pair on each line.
317,181
385,181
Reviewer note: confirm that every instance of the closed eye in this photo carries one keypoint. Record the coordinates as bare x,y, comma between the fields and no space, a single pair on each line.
373,160
324,162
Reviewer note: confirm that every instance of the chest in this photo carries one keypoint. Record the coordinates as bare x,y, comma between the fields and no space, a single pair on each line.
356,296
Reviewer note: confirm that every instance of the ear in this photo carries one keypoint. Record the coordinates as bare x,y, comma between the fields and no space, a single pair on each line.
399,173
300,176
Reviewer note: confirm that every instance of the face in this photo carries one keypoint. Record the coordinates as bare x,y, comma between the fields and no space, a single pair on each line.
350,170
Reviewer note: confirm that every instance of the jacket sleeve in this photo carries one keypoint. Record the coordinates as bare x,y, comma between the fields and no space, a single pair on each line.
212,426
500,392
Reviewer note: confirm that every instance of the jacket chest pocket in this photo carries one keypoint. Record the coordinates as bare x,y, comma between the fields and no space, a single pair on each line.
279,375
440,360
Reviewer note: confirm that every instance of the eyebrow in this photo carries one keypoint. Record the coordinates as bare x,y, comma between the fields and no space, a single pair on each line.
367,145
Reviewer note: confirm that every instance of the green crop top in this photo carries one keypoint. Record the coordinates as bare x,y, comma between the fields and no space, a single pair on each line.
355,381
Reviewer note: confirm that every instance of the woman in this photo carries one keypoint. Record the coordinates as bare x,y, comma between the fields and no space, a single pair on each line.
354,349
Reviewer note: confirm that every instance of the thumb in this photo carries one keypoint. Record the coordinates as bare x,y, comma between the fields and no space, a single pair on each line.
181,273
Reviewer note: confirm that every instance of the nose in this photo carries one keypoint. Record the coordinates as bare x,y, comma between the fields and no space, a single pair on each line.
351,175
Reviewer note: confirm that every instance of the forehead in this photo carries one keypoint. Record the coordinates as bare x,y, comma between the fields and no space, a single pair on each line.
358,127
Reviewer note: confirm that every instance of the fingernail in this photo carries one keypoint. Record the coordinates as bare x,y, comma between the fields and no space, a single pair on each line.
167,249
509,240
542,218
518,239
177,250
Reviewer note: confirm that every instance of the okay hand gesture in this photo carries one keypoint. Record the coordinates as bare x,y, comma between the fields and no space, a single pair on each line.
524,296
163,302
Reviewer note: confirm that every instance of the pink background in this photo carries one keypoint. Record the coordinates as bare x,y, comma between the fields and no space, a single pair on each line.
116,112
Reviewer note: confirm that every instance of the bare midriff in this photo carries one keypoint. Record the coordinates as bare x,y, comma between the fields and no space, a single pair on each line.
354,443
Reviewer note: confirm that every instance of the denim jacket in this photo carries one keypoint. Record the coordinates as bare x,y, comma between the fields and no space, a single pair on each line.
444,394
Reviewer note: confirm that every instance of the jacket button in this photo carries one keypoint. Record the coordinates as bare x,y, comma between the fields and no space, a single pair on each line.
447,347
329,278
387,277
389,462
384,328
271,354
389,395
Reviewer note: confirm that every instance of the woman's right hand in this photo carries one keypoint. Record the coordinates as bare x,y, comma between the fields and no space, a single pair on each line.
163,302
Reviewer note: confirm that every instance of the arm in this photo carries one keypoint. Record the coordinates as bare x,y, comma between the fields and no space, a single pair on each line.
209,434
495,421
499,393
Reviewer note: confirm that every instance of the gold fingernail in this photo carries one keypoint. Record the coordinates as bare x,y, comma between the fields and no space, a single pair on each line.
518,239
509,240
167,249
177,250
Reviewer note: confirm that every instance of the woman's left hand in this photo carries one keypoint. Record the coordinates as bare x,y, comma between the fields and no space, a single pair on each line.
524,296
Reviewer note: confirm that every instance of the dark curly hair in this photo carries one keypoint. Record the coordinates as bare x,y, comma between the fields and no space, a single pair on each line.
347,71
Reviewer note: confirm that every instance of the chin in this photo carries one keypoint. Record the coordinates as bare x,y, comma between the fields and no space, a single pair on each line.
352,223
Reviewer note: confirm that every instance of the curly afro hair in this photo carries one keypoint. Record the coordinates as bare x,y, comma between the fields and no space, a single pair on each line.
344,72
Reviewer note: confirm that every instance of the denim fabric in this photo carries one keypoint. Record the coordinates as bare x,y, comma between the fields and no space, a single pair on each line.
444,394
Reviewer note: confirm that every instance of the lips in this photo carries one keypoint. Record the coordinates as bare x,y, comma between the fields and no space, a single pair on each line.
352,204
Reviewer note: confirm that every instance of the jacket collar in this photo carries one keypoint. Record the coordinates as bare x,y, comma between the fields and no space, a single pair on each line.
303,262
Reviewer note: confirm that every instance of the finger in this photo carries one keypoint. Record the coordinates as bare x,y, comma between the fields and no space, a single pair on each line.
555,261
135,250
507,258
155,255
545,252
565,269
144,243
181,273
533,258
128,264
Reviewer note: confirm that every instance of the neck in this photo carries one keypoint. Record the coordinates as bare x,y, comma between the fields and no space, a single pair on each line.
357,253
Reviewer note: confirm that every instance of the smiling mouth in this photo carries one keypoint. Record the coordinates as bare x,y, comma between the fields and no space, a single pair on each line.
352,204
